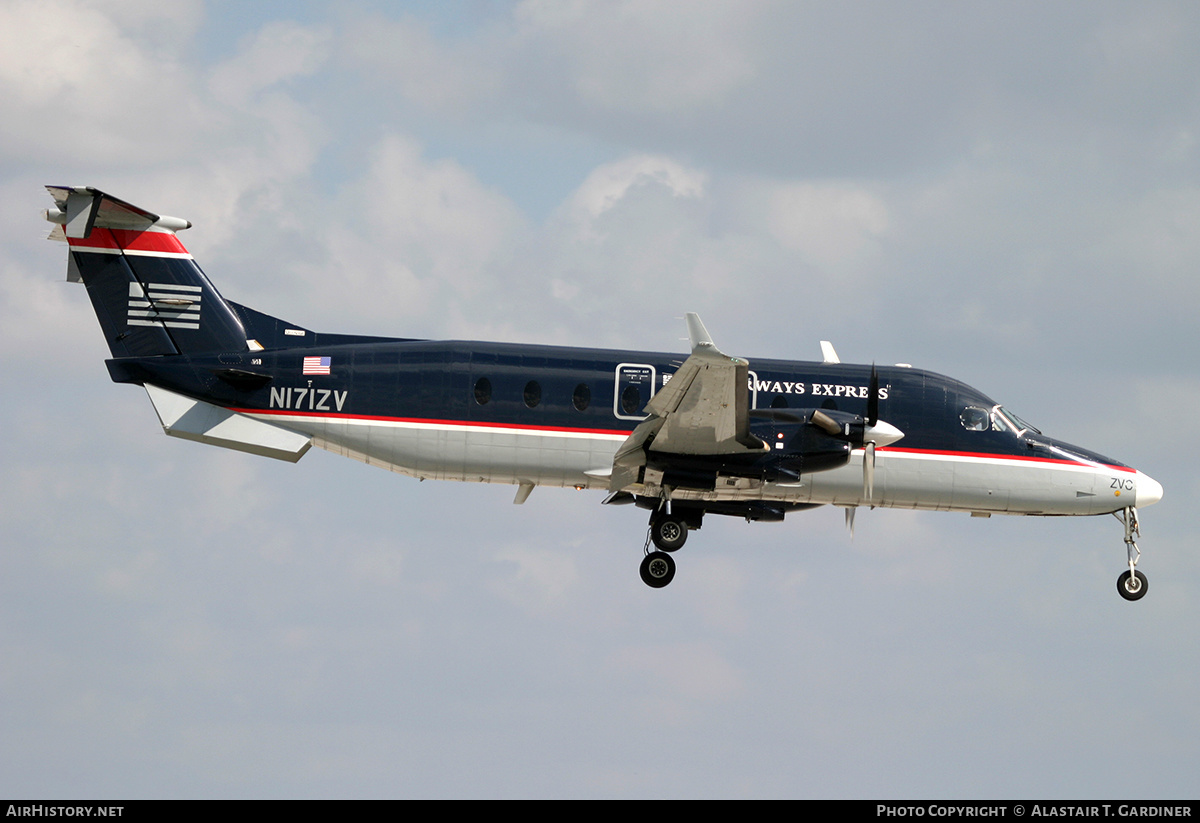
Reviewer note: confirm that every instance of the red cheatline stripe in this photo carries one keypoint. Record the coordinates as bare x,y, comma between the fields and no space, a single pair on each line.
100,239
570,430
431,422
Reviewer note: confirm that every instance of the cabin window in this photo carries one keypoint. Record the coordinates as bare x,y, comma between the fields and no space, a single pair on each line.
975,419
533,393
582,398
483,391
631,399
779,401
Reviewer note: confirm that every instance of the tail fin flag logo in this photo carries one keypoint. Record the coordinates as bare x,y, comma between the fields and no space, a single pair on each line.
176,307
316,365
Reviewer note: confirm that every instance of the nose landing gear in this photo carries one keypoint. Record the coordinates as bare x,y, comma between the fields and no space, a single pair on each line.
1131,585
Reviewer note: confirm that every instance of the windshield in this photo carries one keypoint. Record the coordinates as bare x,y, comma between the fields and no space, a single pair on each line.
1019,425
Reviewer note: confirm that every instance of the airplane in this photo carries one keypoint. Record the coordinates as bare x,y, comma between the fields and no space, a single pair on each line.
706,434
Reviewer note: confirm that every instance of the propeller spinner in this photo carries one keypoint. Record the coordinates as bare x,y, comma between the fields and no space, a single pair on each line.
869,434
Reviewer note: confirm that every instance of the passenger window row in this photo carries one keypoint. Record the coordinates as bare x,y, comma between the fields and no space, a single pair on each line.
581,398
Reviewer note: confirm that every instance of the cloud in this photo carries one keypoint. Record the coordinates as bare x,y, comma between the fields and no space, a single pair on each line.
656,57
409,235
74,83
830,224
280,51
607,185
404,57
581,59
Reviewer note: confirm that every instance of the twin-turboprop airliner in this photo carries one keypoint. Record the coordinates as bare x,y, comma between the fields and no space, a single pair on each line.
683,438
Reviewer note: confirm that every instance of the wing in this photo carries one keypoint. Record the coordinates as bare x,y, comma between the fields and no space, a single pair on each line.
703,410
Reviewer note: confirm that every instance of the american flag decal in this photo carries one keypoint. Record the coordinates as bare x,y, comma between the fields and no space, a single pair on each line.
164,304
316,365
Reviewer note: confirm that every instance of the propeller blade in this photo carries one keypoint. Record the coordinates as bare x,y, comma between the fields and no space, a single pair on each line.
873,398
869,470
869,446
850,510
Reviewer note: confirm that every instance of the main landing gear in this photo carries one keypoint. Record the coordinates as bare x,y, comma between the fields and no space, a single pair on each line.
1132,584
658,569
668,533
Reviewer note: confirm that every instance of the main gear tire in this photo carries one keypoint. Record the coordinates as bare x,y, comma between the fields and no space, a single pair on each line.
658,569
668,533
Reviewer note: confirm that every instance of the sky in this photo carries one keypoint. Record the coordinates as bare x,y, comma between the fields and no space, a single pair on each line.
1006,193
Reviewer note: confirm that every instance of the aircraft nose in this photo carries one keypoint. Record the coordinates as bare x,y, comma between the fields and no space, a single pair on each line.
1149,491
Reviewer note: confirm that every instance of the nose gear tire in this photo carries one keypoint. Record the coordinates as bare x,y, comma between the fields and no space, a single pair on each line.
1132,587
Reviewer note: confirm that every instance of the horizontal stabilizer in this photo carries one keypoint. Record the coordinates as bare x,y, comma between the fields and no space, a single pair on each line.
83,208
205,423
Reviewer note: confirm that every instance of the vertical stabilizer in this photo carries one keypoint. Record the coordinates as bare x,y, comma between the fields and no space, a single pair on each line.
148,293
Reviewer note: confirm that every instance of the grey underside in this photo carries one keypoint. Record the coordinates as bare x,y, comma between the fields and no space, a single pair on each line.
902,480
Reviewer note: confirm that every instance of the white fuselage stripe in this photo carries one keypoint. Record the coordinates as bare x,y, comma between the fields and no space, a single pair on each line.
303,420
999,460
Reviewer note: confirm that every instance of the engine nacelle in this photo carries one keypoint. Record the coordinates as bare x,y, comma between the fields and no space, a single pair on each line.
801,441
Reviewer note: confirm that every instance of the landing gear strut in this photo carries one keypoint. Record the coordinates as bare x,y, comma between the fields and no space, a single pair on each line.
668,532
1132,584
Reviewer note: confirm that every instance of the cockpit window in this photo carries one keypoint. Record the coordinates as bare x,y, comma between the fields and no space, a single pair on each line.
974,419
1017,422
997,419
